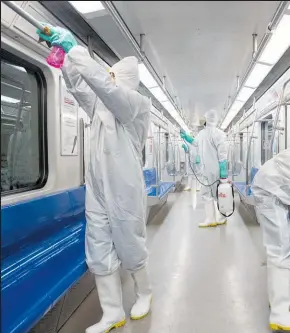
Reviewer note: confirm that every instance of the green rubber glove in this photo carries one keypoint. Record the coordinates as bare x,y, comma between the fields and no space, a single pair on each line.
186,136
223,169
59,37
184,146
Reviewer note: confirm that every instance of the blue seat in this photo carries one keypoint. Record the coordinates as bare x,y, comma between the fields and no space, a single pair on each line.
155,188
241,186
42,255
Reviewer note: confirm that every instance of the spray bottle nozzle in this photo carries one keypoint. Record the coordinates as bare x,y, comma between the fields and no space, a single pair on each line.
40,40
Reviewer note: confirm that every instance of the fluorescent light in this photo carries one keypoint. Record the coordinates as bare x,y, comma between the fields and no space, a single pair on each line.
169,107
146,78
173,112
235,108
159,94
85,7
9,99
244,94
226,122
257,75
279,42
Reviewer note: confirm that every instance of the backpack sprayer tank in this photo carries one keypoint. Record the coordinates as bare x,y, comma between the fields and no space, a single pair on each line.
225,198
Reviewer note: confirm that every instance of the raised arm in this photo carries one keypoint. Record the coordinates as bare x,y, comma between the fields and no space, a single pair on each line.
123,103
79,88
85,76
220,140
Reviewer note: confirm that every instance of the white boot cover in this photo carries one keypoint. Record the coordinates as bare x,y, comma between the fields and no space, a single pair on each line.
110,295
220,219
210,220
279,298
143,294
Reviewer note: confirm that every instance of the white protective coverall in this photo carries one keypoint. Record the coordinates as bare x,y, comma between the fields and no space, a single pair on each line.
271,190
212,148
115,189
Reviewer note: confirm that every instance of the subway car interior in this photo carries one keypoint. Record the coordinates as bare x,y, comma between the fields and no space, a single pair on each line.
193,57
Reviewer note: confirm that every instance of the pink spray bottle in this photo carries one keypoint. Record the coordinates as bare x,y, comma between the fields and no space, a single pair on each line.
56,57
57,54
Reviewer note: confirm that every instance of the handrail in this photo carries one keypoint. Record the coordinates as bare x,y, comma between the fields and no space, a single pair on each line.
12,5
277,116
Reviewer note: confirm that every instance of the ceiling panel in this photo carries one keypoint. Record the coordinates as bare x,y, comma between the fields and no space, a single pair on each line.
200,46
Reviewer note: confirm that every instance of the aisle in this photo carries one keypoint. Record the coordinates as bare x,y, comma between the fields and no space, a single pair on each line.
204,280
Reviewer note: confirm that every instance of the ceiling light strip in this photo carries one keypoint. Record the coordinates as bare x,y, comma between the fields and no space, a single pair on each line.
277,16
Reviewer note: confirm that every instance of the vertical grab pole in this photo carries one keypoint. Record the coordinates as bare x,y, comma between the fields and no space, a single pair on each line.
90,48
270,148
82,151
249,145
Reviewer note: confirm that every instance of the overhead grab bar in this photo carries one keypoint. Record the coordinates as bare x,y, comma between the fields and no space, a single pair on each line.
12,5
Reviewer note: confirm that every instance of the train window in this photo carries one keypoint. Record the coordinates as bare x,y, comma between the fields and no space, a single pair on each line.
22,126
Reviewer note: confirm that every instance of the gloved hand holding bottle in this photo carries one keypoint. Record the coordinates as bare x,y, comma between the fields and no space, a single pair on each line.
223,169
186,137
62,41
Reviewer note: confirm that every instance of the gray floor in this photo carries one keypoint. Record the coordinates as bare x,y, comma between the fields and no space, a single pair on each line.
204,280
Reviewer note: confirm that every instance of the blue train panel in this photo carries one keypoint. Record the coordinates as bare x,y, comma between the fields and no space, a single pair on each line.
42,243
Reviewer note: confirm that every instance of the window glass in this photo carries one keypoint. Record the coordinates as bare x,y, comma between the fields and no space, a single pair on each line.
22,165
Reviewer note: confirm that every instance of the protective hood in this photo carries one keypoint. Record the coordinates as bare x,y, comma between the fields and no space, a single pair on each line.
211,118
127,73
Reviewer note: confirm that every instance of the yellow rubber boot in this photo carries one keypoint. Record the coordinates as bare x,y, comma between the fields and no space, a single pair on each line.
210,220
110,295
220,219
143,291
279,297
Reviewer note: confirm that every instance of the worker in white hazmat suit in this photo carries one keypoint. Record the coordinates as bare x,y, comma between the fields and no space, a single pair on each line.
191,155
271,190
190,179
212,148
115,190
